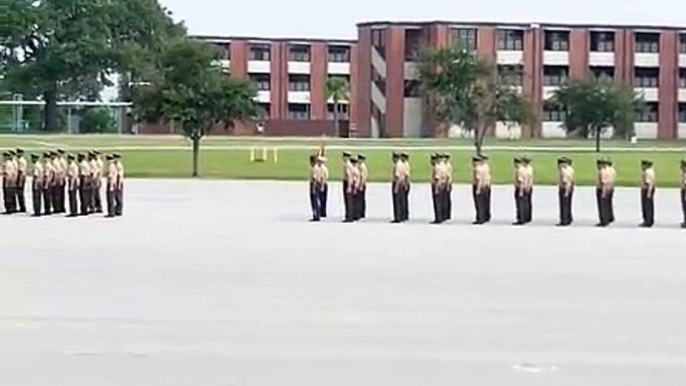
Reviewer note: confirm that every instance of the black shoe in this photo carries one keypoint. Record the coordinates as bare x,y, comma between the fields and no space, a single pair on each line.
347,221
563,224
683,225
72,215
436,222
518,223
311,220
109,216
396,222
602,225
35,215
478,223
644,225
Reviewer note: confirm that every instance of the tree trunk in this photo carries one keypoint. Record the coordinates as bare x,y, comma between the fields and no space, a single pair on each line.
336,123
597,140
479,135
196,154
50,112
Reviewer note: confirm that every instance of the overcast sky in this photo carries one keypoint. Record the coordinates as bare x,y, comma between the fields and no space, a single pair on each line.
337,19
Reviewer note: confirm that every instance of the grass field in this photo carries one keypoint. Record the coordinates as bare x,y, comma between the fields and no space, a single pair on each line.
229,157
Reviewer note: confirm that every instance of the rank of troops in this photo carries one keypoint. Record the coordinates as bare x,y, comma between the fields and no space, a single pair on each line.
355,174
63,184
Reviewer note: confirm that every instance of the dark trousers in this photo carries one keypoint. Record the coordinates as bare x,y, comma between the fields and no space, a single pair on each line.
323,199
47,199
404,192
605,210
565,206
315,201
395,195
73,202
37,198
648,206
110,202
611,205
61,196
436,200
487,203
346,201
441,200
84,196
520,206
97,199
449,202
363,202
119,201
482,204
683,203
20,194
528,205
55,198
351,207
10,199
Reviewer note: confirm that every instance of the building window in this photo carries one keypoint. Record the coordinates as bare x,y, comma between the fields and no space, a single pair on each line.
682,112
261,81
556,40
378,80
298,111
339,54
261,52
648,42
379,41
650,113
511,75
463,38
603,73
298,82
412,89
224,51
555,75
682,78
343,112
646,77
682,43
553,113
299,53
602,41
264,111
413,38
510,40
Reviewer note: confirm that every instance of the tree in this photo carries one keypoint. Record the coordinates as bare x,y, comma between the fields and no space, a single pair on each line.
592,106
58,48
97,120
337,89
463,89
191,90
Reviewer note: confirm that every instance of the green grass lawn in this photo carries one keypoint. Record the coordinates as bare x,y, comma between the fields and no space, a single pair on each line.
226,157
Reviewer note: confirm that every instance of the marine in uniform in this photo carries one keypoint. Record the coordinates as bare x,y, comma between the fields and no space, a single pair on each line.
683,191
435,200
37,183
395,193
315,177
405,185
347,166
48,183
604,188
9,183
354,179
111,179
519,183
481,189
73,185
364,175
324,192
96,182
57,184
449,186
565,190
440,187
21,181
84,184
61,182
528,189
118,186
647,194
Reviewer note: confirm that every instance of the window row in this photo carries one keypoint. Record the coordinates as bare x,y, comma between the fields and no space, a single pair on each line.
553,113
296,53
302,112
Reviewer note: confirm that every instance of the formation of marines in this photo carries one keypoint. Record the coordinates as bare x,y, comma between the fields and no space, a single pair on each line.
355,174
58,179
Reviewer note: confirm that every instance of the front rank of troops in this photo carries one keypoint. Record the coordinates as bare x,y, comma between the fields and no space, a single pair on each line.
355,174
63,184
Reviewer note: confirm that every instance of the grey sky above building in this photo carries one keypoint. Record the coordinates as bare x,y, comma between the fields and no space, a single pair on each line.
337,19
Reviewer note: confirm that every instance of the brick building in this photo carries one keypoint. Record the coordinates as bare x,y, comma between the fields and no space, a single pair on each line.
381,68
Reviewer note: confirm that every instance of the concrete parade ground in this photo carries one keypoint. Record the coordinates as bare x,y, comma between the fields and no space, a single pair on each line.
226,283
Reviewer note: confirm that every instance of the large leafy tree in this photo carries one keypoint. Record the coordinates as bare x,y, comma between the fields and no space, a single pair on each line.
337,89
463,89
192,91
593,105
57,48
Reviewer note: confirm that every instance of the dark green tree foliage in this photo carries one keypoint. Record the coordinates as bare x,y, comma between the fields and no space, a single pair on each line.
191,91
96,120
58,49
592,106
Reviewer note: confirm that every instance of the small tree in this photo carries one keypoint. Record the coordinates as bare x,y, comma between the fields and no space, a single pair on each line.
594,105
337,89
193,92
465,90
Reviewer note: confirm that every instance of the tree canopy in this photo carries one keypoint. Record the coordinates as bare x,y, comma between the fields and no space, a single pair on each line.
337,89
463,89
192,91
592,106
57,48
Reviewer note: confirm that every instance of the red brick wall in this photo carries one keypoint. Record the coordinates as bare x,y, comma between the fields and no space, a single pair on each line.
279,81
362,87
318,70
533,79
395,80
669,91
239,59
579,42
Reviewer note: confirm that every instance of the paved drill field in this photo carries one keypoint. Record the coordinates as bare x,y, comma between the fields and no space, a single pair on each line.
226,283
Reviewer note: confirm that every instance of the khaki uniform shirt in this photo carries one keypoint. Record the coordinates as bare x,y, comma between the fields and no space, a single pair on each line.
85,169
73,175
10,173
325,173
441,174
648,178
566,176
347,166
63,167
354,179
402,172
449,170
22,166
519,176
120,175
49,176
111,175
38,175
364,173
